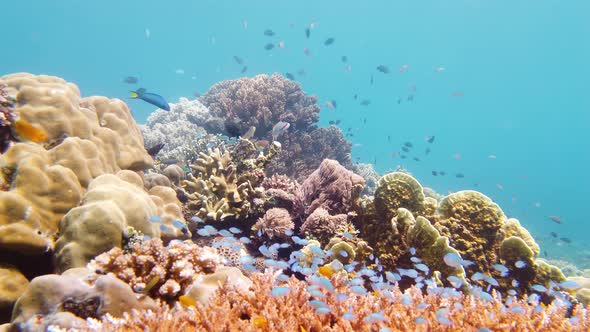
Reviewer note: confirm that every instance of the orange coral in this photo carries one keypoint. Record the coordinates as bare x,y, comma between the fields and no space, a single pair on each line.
232,310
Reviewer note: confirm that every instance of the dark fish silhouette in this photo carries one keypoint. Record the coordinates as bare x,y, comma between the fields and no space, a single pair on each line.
344,58
365,102
269,46
290,76
442,173
372,80
565,239
238,60
405,148
231,128
427,151
269,33
244,69
416,159
459,175
384,69
153,151
307,32
435,173
409,144
553,234
131,80
429,139
329,41
556,219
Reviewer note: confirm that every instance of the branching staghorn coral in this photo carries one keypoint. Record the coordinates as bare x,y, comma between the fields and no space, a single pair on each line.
343,310
224,185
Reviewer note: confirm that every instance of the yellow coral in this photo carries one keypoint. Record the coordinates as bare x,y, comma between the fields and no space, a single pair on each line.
398,190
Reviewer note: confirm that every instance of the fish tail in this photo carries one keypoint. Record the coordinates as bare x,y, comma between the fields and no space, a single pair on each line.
134,94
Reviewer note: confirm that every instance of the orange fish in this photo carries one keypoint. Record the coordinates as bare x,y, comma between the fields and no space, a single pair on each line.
260,322
326,271
187,301
27,131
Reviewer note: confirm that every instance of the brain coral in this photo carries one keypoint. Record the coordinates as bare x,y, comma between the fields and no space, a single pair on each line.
112,204
473,223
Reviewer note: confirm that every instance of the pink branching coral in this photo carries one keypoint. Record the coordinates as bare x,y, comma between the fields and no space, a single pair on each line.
281,182
331,187
341,309
262,101
322,226
166,271
275,223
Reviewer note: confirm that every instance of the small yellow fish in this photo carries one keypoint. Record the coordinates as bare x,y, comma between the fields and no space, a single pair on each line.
260,322
187,301
302,329
326,271
151,284
26,131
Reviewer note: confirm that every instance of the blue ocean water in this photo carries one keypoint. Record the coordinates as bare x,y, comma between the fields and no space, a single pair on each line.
514,85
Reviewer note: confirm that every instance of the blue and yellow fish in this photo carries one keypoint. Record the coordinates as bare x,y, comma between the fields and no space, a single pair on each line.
151,98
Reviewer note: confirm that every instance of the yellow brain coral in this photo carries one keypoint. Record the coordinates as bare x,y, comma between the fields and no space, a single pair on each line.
473,224
398,190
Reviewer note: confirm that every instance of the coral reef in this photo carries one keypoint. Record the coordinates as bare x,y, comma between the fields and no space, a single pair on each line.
263,101
367,172
68,299
112,204
12,285
7,118
234,310
181,131
223,186
322,226
275,224
168,271
331,187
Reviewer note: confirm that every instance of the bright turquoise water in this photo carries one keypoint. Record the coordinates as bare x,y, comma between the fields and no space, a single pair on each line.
523,66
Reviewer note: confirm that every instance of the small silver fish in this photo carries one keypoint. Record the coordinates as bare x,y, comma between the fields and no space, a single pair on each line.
279,128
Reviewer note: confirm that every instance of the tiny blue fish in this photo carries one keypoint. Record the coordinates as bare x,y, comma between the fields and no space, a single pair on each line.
406,299
420,320
164,228
348,316
501,268
512,292
245,240
444,320
358,290
483,329
539,288
375,318
517,310
323,311
341,297
415,259
477,276
317,304
235,230
289,232
155,219
264,250
151,98
413,251
520,264
422,267
452,260
197,219
569,285
178,224
455,281
347,235
280,291
225,233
